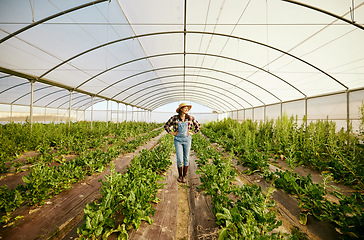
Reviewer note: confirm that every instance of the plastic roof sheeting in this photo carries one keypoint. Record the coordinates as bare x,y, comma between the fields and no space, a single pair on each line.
225,54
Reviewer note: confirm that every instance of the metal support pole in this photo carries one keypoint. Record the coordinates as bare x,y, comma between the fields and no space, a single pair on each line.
45,114
132,114
117,116
69,110
11,112
347,110
281,109
121,112
306,112
265,113
107,113
31,102
92,110
126,113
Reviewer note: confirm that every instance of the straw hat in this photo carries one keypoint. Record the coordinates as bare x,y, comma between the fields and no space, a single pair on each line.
183,105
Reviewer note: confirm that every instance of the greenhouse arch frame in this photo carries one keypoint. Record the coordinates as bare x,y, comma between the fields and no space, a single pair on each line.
241,59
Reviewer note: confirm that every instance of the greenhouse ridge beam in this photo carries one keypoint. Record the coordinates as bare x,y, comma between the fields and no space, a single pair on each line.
49,82
50,18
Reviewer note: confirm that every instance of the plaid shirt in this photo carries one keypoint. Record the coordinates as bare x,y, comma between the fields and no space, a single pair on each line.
173,122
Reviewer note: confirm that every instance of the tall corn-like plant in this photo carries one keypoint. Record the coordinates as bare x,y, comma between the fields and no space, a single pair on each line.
284,129
265,135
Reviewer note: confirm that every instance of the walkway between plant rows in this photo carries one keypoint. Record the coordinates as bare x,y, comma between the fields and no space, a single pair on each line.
183,212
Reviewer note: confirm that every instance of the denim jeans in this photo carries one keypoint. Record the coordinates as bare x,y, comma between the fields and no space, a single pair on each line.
182,144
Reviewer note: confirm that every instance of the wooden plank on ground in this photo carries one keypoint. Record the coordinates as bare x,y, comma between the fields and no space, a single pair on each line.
202,223
165,217
46,220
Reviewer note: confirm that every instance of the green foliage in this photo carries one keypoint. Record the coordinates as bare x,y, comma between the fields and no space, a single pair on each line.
318,145
249,217
45,180
339,155
128,195
9,201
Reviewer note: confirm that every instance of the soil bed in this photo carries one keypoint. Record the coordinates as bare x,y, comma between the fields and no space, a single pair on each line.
54,217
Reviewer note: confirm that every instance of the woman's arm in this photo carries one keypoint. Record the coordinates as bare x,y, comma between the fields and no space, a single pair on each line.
196,124
167,126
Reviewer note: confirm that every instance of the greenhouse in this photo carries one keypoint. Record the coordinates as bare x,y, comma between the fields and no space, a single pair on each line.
87,89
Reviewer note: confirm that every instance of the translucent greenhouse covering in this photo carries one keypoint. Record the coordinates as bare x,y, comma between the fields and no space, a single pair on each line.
242,59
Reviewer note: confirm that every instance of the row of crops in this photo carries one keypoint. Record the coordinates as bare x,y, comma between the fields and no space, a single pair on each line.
17,138
51,170
338,155
127,198
242,212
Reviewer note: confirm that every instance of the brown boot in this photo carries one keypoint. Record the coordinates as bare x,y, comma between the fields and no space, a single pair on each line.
184,180
179,179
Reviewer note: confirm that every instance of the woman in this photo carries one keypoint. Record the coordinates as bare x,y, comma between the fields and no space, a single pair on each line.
183,126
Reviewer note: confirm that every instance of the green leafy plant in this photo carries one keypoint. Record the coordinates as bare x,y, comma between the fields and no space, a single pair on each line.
247,217
126,198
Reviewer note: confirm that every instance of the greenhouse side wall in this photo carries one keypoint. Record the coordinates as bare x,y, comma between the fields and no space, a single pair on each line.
333,107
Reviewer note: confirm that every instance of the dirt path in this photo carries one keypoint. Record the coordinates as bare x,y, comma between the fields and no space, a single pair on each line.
64,210
184,212
165,218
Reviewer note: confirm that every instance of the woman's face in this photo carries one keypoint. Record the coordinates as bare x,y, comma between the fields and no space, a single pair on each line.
184,109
